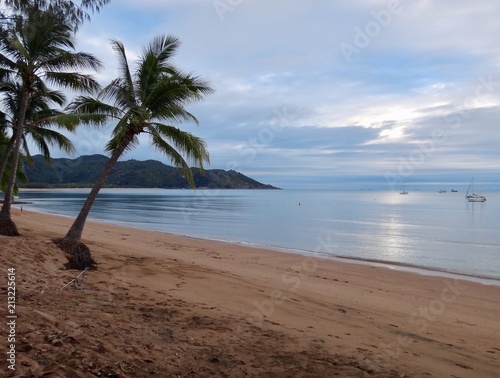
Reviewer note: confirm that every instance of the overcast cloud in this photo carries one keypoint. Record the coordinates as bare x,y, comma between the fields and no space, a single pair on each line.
363,92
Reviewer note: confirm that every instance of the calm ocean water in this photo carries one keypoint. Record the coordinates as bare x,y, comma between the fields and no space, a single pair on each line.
433,230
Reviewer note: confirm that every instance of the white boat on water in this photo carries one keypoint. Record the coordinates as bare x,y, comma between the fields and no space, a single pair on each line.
470,196
403,191
475,198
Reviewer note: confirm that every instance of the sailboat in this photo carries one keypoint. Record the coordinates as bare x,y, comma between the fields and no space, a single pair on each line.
470,196
402,190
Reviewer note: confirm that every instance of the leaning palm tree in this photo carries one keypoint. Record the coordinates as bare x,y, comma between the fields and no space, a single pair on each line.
37,48
141,102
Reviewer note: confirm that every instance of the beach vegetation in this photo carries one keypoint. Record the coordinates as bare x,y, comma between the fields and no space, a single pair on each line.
148,100
40,117
4,178
71,12
38,49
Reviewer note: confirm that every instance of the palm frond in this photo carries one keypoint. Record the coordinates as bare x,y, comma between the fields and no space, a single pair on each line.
67,60
155,62
70,121
73,80
175,157
68,11
44,137
13,51
26,150
176,114
193,147
91,105
126,81
176,91
163,47
117,93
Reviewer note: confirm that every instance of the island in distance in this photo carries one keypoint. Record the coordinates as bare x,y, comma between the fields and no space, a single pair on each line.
83,172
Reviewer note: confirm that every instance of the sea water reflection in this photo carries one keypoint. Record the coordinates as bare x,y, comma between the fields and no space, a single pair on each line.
440,231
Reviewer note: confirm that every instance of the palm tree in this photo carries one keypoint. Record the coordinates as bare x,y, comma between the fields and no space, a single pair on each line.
20,177
69,10
4,144
140,102
39,118
35,48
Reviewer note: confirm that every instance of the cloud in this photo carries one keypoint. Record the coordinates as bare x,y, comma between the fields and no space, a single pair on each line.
427,66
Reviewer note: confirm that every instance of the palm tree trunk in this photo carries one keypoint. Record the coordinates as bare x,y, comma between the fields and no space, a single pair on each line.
6,154
77,253
76,230
7,226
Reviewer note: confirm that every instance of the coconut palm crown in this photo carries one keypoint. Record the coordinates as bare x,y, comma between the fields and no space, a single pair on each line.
40,119
147,100
72,12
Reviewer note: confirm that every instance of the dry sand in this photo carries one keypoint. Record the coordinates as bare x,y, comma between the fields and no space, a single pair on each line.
168,306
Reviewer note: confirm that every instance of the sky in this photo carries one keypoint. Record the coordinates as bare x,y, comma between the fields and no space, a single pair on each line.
334,94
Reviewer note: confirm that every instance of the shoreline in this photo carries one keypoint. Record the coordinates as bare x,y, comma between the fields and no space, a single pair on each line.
392,265
403,267
165,305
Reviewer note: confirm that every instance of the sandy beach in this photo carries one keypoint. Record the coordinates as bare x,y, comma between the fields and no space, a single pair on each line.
168,306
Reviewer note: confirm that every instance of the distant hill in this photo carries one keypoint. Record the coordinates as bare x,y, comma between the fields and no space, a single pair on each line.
83,172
